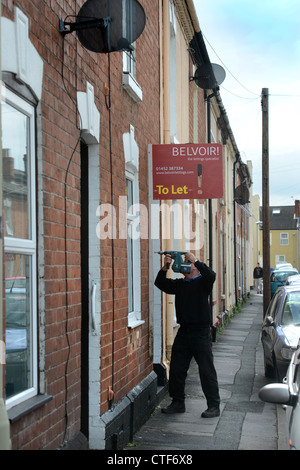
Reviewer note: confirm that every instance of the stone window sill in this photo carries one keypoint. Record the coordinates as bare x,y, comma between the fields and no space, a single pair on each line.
132,87
19,411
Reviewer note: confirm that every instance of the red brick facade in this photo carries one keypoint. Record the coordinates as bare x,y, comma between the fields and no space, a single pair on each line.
125,357
74,388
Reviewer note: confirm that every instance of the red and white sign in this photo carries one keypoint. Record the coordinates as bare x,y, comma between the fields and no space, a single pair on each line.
187,171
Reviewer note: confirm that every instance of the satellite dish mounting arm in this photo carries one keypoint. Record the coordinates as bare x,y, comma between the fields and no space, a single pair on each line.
66,27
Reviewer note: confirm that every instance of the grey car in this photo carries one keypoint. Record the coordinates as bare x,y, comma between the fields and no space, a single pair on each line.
281,331
291,280
288,394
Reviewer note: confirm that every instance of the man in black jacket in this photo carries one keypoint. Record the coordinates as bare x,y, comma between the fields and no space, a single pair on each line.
194,335
257,276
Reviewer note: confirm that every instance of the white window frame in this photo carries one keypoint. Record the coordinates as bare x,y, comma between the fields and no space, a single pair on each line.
132,218
129,80
27,247
279,259
131,154
284,239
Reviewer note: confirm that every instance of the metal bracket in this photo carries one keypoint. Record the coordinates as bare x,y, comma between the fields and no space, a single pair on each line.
66,27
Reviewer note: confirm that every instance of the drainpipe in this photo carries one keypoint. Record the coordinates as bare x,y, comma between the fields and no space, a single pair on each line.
5,443
208,98
168,307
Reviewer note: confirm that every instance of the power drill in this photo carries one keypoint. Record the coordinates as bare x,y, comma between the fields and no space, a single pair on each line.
178,266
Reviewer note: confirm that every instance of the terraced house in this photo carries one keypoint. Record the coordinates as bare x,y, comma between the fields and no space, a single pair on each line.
91,89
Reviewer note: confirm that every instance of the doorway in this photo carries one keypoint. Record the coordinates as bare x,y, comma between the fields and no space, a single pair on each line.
84,154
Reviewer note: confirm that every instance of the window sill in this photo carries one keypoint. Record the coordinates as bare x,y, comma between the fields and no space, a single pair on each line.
19,411
132,87
135,323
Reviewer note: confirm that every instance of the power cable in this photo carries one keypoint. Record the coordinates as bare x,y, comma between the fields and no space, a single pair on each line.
65,237
241,97
247,89
240,83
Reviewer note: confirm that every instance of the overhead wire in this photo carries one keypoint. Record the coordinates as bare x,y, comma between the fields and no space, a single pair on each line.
238,96
233,76
258,95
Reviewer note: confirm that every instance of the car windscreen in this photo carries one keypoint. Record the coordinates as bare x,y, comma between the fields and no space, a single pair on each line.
281,276
291,310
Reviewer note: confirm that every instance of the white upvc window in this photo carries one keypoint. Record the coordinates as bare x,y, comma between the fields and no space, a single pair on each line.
133,251
19,196
284,239
131,153
129,80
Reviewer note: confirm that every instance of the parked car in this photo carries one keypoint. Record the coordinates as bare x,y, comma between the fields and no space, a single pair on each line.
291,280
288,394
279,276
283,266
281,331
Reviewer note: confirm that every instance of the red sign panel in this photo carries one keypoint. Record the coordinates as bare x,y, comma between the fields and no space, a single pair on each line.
187,171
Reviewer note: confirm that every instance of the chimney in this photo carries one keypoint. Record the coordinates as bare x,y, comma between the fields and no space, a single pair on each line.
297,209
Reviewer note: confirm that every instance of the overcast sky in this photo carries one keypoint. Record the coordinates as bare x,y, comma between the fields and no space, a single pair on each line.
257,42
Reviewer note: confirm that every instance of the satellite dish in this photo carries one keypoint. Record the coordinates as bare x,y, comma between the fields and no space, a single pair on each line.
108,25
242,194
209,76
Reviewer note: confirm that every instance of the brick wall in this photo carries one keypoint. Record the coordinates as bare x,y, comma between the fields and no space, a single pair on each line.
45,427
131,347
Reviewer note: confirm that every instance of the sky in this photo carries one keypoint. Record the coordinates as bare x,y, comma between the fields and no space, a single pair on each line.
257,42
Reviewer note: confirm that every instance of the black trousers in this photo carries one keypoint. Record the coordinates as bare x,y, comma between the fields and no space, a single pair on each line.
191,343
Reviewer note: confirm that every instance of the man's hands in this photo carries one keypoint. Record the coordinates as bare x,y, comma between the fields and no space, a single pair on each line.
168,260
190,257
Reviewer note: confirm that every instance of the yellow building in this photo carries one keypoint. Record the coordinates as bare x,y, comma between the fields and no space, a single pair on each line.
284,236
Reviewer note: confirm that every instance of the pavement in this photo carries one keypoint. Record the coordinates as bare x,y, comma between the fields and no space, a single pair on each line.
245,422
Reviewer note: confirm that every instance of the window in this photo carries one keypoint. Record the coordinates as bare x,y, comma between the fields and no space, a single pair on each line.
129,193
129,59
284,239
291,312
18,137
279,259
133,252
129,80
273,306
131,152
129,62
297,376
